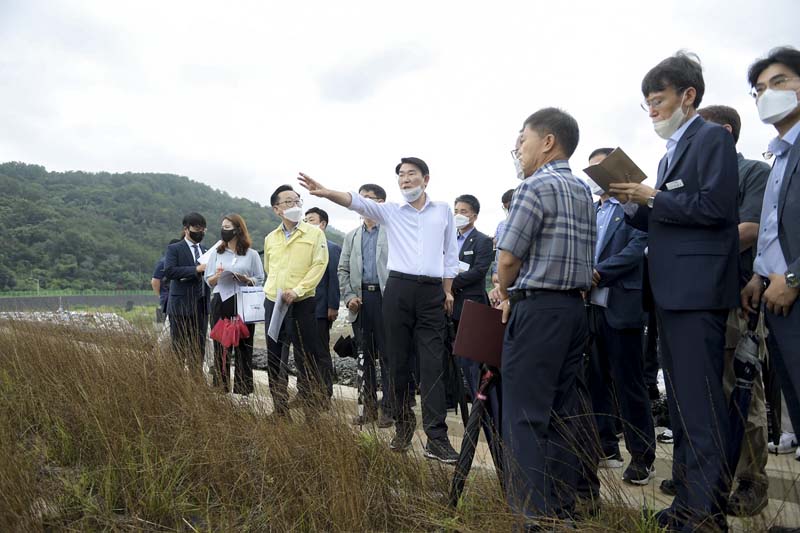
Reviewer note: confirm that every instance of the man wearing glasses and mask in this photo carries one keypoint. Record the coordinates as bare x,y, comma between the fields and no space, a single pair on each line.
691,217
295,259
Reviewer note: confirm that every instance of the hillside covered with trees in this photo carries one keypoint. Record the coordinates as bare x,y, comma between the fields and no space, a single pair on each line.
80,230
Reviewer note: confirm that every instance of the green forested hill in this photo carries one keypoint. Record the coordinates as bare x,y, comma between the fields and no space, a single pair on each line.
80,230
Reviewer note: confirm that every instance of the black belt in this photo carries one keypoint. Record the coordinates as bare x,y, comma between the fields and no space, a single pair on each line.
370,287
521,294
419,279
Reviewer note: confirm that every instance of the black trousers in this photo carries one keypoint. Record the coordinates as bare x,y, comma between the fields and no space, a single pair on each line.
188,334
651,351
692,355
324,330
242,354
541,406
312,364
368,329
413,312
783,344
616,376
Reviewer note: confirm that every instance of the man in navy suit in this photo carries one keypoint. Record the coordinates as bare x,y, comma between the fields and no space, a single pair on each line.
327,292
693,248
776,283
475,255
187,304
616,370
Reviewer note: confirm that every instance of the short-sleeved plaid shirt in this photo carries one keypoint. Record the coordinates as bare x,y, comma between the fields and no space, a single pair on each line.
551,227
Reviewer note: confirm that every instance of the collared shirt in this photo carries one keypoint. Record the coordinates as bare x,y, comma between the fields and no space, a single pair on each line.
194,248
770,258
551,228
462,238
672,142
604,213
753,176
421,243
369,255
296,263
287,232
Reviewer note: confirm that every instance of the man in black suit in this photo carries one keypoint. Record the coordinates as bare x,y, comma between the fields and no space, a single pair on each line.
775,81
616,370
326,296
475,255
693,247
187,304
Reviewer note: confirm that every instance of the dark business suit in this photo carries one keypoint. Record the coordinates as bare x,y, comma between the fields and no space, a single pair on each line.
616,366
326,297
187,304
478,252
784,339
693,249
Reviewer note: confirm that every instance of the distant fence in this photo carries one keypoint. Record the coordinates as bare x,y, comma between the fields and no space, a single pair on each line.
67,292
52,303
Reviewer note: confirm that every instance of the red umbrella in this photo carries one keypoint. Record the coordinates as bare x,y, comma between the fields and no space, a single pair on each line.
228,332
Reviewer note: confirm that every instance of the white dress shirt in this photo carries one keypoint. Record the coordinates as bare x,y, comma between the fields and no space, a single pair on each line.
421,243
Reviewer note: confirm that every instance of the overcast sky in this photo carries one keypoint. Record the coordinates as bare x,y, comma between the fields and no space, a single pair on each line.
243,95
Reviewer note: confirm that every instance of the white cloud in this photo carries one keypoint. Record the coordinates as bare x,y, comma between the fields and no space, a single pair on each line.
243,96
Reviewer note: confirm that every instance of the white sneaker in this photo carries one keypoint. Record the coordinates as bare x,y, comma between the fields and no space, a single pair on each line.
797,454
786,444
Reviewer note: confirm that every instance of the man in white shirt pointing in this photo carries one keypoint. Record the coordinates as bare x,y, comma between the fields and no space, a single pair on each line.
423,260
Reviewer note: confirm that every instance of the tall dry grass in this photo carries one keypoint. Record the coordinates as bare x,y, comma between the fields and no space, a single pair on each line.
101,430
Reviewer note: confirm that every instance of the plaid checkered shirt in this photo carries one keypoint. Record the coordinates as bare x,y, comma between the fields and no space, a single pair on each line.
551,228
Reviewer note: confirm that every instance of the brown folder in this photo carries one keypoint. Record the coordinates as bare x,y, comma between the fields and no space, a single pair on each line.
480,334
616,168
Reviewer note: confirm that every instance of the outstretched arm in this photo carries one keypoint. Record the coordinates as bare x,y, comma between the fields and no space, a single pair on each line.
364,207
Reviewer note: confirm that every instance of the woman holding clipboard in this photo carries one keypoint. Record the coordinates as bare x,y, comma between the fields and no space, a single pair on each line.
231,265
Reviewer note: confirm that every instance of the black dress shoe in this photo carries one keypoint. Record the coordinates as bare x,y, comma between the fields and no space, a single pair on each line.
668,487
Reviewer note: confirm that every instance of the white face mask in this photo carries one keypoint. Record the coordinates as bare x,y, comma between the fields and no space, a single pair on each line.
665,128
595,188
412,195
461,221
774,106
293,214
520,172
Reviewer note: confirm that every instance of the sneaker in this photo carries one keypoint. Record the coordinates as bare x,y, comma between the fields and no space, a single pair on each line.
441,450
786,444
665,437
668,487
611,461
638,473
385,421
797,454
748,499
401,440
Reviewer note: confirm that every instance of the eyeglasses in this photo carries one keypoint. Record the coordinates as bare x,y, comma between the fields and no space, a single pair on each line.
515,154
291,203
654,104
777,83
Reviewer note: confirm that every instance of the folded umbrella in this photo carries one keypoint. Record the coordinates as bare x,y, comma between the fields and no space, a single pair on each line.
746,367
229,332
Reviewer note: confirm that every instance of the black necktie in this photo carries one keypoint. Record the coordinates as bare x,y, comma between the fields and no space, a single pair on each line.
196,249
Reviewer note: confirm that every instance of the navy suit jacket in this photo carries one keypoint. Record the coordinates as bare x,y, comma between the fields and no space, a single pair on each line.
789,212
693,237
186,286
327,293
478,253
620,267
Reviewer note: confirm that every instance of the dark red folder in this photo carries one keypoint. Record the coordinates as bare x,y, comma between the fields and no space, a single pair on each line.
480,334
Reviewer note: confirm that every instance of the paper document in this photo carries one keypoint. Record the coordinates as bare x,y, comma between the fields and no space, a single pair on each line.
204,258
599,296
616,168
278,314
227,284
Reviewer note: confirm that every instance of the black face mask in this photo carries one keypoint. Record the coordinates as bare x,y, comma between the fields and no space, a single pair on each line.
227,234
197,236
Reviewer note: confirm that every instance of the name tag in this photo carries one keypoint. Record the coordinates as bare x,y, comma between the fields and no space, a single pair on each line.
462,266
672,185
469,252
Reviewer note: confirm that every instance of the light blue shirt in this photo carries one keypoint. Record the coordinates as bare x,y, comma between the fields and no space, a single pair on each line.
288,232
462,238
604,214
672,142
369,255
770,258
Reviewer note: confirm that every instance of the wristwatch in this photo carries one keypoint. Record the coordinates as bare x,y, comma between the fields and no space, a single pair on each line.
650,202
792,281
